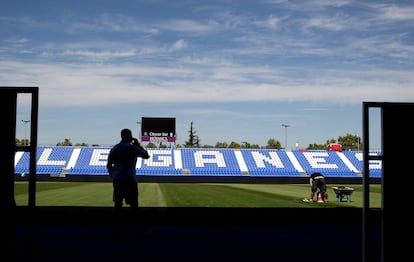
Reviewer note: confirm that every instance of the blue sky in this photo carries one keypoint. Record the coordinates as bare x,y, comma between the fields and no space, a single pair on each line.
237,69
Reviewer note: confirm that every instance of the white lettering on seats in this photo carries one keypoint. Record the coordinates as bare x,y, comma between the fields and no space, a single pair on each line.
318,160
202,157
274,159
99,157
160,158
44,159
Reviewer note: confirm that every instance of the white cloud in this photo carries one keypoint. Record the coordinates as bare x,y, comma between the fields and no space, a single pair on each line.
329,23
187,25
394,12
179,44
272,21
101,55
87,85
222,55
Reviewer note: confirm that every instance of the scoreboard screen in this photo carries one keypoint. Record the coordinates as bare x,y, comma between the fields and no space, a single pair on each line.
158,129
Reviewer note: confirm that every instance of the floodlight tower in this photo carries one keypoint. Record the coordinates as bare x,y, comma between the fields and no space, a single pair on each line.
285,126
25,131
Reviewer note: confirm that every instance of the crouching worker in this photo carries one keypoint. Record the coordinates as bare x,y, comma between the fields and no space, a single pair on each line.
317,182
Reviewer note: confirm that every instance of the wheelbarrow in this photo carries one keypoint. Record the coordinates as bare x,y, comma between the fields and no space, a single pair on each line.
343,193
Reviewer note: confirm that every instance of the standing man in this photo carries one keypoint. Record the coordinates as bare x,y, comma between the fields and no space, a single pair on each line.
121,167
317,181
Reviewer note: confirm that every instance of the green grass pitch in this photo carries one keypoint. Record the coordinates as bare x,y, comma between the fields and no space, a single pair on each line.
99,194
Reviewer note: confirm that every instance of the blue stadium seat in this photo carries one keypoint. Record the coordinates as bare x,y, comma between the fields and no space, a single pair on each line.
203,162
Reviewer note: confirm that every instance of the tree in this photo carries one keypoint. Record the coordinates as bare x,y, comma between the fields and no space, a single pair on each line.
317,146
22,142
273,144
234,144
151,145
193,140
163,145
221,145
330,141
82,144
350,142
65,142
